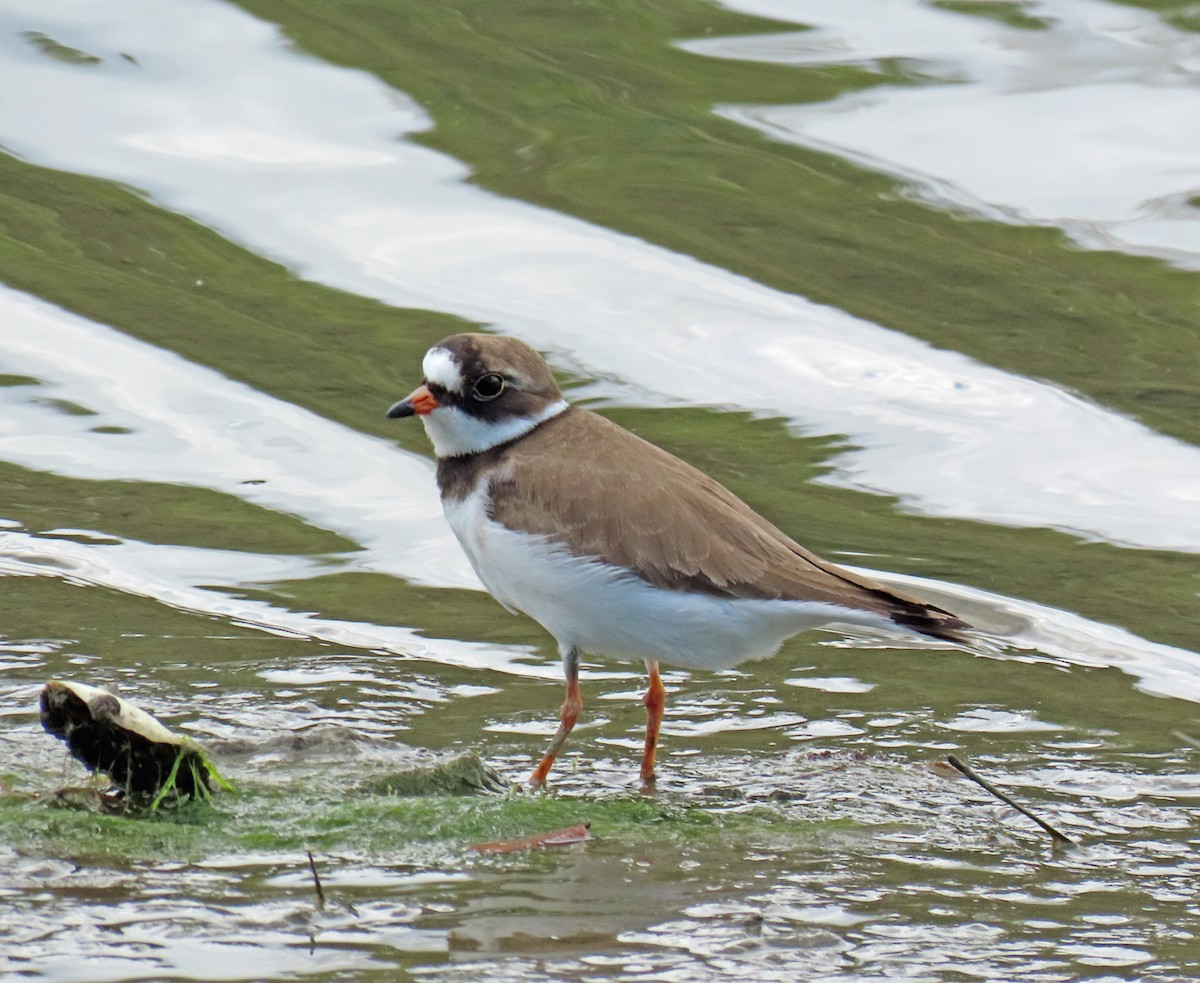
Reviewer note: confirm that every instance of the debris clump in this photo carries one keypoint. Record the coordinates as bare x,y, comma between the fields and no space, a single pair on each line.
146,761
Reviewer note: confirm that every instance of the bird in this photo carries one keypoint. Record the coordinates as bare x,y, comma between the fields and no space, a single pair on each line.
615,546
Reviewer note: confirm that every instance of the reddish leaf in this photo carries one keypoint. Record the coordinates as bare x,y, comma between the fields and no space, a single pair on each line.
556,837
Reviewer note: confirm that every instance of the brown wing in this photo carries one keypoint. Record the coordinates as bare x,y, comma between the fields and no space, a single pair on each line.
677,528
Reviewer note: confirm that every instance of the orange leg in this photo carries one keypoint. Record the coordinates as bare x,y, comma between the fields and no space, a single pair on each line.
570,713
655,700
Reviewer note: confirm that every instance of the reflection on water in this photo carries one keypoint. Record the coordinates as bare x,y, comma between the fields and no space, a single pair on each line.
798,831
1163,670
184,424
358,209
183,577
199,926
1086,124
841,859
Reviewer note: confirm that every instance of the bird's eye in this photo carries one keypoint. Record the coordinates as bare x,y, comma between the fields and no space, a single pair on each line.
488,386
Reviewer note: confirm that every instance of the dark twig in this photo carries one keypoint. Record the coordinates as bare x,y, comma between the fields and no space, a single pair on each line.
1058,838
312,865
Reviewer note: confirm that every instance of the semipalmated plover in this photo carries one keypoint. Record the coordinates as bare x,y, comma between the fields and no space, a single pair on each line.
615,546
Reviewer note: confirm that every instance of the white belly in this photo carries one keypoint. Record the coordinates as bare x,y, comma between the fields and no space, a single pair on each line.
604,610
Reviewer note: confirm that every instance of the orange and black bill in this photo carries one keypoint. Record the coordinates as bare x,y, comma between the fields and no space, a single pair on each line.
417,403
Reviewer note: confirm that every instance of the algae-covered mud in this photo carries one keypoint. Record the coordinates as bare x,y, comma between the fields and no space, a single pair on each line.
916,279
147,764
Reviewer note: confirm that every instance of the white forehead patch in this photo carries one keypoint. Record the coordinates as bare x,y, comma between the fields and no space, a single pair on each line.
441,369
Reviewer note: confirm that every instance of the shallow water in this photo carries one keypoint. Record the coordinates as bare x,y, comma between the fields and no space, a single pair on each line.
898,358
933,427
1073,116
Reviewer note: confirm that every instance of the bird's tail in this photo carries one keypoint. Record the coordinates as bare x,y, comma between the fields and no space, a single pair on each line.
930,620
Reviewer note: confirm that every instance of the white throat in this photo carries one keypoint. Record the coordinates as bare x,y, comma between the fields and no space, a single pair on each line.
455,433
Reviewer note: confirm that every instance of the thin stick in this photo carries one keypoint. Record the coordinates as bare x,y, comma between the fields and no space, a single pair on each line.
1058,837
312,865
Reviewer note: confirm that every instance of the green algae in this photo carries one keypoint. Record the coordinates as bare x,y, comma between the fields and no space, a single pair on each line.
157,512
420,828
1014,14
